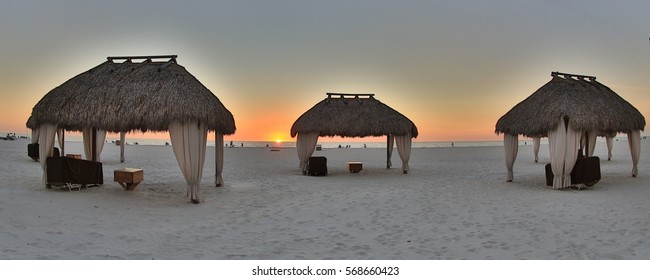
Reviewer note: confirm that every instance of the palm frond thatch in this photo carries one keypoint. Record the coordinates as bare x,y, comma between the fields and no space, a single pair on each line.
122,96
588,104
353,117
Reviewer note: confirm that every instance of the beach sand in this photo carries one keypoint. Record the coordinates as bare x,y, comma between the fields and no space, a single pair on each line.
453,204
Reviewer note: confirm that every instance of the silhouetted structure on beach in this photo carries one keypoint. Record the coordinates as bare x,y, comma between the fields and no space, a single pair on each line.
353,115
146,93
566,109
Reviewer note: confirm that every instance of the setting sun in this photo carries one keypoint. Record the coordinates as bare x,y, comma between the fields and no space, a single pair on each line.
278,141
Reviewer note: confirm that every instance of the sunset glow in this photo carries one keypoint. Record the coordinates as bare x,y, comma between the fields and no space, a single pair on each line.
453,68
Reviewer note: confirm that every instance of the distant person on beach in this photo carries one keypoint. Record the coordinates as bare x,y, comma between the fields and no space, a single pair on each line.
452,144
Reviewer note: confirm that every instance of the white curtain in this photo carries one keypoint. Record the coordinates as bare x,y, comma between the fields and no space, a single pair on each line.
35,135
634,138
305,145
389,150
592,143
122,139
536,147
563,146
189,144
46,146
99,140
60,134
511,146
86,134
571,154
218,154
610,143
404,150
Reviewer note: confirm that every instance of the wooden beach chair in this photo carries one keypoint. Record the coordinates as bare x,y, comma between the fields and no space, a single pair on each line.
32,151
317,166
72,173
586,171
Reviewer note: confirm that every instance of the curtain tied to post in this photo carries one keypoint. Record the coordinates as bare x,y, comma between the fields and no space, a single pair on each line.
563,146
189,144
305,144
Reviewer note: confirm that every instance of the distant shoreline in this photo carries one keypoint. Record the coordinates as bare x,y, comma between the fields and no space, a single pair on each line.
328,145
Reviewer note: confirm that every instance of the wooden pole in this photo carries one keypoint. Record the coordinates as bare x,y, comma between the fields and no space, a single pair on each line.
93,144
388,146
122,138
62,142
217,146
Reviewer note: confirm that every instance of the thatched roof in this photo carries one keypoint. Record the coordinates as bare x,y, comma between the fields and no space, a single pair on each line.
359,116
132,93
588,104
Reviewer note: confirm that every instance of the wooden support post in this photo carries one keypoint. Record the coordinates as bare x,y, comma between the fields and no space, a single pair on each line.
93,144
122,138
388,146
62,142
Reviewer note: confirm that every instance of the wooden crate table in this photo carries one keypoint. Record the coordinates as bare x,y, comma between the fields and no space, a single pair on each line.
129,178
355,166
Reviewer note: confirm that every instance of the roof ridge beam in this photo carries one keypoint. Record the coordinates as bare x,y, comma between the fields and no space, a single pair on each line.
147,58
355,95
573,76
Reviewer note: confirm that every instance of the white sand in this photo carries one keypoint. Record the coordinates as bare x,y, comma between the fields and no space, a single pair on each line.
454,204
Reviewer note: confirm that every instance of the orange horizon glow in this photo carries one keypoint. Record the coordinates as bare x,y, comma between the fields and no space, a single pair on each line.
275,138
461,136
453,69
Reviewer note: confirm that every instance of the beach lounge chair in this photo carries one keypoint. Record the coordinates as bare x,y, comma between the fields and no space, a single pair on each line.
63,171
317,166
586,171
32,151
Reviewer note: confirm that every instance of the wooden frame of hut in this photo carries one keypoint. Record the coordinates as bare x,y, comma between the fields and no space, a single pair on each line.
353,115
567,109
146,93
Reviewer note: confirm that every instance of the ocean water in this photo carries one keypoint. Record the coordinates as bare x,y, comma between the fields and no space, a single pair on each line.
415,144
292,144
326,144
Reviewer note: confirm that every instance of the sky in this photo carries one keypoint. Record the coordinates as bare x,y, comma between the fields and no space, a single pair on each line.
452,67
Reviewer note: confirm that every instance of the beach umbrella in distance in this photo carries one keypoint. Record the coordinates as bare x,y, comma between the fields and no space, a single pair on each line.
566,109
353,115
145,93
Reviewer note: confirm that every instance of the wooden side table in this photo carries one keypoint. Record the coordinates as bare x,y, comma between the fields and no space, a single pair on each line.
129,178
355,166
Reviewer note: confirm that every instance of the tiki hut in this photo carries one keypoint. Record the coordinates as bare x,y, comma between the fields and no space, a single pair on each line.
146,93
567,109
353,115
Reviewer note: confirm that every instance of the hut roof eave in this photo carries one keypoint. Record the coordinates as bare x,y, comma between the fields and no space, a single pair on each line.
130,96
353,117
588,104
